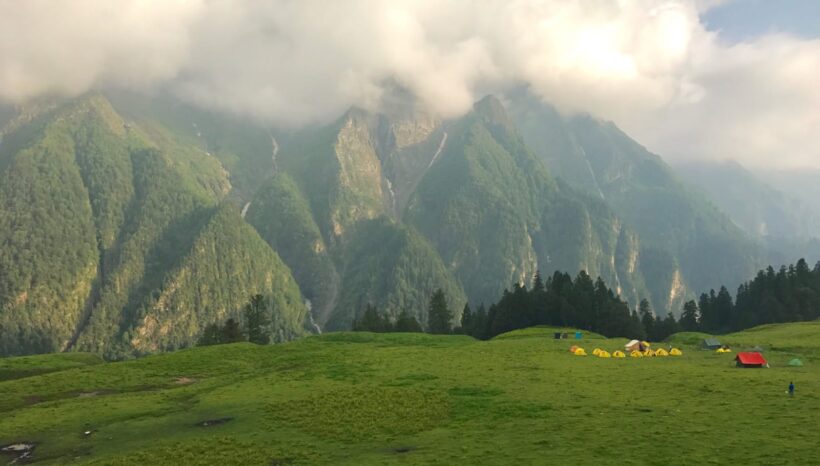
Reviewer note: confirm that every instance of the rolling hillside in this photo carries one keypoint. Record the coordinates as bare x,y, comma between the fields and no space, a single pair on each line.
347,398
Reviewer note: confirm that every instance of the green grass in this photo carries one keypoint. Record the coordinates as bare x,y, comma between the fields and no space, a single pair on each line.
361,398
25,366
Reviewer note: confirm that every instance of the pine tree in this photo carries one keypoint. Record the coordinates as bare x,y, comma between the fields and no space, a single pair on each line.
723,308
647,318
438,314
371,321
407,323
708,315
257,320
231,332
689,317
467,320
211,335
480,323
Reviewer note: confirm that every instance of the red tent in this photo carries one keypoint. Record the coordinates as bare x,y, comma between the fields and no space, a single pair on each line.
751,359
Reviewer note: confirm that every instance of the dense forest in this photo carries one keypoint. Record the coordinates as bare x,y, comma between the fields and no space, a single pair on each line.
790,295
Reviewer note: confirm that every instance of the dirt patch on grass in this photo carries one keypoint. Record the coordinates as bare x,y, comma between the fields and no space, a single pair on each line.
214,422
281,461
94,393
402,450
184,381
20,452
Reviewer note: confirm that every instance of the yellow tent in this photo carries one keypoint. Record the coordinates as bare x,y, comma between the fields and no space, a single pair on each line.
618,354
661,352
580,352
675,352
604,354
649,353
727,350
720,350
646,344
573,348
596,351
636,354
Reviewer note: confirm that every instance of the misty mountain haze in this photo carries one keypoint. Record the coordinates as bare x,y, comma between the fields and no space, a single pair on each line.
652,67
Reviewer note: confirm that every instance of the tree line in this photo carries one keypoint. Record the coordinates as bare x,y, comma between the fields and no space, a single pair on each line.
788,295
559,300
254,328
792,294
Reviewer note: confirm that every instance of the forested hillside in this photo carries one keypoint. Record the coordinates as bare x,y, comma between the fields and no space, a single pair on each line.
106,224
127,228
687,244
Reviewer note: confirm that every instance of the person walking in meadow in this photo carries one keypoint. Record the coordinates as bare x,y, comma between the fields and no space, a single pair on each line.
791,388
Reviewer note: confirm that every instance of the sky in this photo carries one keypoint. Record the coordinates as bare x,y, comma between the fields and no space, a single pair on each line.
690,79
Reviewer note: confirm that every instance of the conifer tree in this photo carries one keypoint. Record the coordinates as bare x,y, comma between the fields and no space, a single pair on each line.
407,323
689,317
211,335
438,314
371,321
647,318
467,320
231,332
257,320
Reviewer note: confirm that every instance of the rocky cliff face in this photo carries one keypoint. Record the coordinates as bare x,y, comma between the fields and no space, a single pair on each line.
690,245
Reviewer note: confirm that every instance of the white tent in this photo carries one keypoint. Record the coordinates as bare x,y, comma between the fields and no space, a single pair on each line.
632,345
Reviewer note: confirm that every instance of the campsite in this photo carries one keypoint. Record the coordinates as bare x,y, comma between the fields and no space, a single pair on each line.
362,398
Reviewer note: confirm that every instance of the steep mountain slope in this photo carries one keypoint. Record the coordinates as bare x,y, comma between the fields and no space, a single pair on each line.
496,216
98,215
679,229
282,216
123,231
331,211
788,227
752,204
394,267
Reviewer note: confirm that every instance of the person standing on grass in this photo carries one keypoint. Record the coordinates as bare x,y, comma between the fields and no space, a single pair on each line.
791,388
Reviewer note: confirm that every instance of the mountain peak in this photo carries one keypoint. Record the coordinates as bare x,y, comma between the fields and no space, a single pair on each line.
492,111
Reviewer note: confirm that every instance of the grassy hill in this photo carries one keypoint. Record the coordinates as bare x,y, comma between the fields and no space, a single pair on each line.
358,398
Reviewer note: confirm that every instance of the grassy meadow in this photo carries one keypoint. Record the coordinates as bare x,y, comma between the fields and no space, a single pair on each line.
360,398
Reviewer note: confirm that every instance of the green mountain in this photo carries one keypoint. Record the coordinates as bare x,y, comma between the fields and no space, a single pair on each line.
687,244
110,232
496,215
130,223
788,226
752,204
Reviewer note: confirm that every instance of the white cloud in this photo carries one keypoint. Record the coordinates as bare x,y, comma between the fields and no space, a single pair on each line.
650,66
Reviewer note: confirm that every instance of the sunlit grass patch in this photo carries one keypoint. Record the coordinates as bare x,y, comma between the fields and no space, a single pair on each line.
363,412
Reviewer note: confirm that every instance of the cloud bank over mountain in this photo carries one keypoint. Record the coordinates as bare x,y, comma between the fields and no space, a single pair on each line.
650,66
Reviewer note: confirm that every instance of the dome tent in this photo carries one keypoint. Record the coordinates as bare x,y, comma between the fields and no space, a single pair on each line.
618,354
636,354
675,352
632,345
603,354
661,352
580,352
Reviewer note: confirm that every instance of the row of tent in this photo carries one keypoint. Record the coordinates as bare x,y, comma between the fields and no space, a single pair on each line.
578,351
